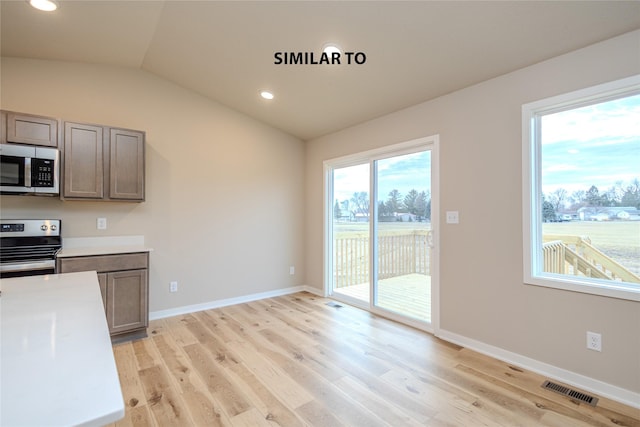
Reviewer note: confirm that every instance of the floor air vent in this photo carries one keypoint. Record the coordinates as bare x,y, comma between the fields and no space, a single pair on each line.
574,394
333,304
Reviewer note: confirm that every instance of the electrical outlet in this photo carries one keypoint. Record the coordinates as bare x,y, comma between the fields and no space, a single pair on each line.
173,287
594,341
101,224
292,270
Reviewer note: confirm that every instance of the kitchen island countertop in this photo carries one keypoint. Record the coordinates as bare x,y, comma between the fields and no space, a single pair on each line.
57,365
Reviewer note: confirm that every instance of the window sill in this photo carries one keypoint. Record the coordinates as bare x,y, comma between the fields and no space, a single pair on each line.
619,290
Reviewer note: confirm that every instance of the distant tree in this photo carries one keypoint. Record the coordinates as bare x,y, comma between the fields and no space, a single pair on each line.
393,202
631,195
615,193
383,211
558,198
577,199
360,203
410,201
422,208
548,211
337,212
592,197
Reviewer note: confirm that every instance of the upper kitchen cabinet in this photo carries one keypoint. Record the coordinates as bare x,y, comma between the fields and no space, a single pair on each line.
83,161
103,163
126,168
29,129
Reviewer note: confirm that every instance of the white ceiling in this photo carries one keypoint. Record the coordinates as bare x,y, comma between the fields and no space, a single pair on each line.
224,50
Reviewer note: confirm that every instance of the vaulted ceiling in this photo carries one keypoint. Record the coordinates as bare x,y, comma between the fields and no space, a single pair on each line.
224,50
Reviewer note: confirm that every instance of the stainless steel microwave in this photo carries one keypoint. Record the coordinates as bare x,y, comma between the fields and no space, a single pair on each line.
28,169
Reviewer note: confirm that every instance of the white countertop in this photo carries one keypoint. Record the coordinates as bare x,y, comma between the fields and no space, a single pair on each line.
101,250
57,365
107,245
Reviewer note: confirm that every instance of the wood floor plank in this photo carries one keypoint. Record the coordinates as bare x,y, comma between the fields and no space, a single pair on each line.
139,416
384,409
296,361
317,414
250,418
163,400
272,409
276,378
454,405
200,404
130,384
233,402
323,391
608,411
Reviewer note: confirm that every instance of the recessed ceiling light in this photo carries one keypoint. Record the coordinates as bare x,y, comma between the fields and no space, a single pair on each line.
330,48
46,5
266,94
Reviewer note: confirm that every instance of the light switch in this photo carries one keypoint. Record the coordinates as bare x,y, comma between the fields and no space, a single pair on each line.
452,217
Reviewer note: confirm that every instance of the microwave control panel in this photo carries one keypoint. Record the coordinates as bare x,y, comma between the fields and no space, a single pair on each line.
42,173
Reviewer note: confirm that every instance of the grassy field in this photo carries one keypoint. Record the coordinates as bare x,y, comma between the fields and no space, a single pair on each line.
619,240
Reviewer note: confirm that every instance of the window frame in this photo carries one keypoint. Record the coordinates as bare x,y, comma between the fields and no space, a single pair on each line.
532,192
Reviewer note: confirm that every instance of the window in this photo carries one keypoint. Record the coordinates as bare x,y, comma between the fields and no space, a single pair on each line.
581,190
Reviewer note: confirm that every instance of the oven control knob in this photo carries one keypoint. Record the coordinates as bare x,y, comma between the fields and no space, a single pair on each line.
43,227
53,227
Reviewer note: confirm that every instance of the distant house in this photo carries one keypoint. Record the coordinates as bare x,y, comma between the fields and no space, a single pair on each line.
607,213
405,217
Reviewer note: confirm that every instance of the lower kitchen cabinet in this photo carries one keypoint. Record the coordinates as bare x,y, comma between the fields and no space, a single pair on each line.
123,280
124,295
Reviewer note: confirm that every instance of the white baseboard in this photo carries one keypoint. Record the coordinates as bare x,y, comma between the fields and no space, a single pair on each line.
161,314
585,383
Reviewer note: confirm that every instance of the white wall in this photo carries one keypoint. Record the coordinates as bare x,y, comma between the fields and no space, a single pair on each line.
224,207
484,298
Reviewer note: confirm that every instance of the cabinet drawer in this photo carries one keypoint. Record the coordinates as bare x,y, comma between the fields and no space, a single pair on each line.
104,263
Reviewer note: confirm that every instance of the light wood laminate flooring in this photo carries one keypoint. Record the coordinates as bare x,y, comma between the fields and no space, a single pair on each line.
296,361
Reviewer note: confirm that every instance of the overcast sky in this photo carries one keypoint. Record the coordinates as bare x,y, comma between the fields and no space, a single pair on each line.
402,173
594,145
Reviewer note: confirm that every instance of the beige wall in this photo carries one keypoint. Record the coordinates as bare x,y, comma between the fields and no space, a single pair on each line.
224,210
484,297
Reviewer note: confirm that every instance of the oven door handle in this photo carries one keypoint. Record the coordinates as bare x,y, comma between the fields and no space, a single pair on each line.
40,265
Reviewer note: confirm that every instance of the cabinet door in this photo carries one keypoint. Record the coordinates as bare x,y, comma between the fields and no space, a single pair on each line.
102,281
126,166
127,301
28,129
3,127
83,161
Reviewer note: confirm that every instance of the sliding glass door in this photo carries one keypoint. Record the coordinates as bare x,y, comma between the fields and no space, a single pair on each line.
381,218
402,227
351,233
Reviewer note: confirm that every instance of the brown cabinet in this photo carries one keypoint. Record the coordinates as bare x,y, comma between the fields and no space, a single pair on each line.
123,280
83,161
103,163
126,165
29,129
3,127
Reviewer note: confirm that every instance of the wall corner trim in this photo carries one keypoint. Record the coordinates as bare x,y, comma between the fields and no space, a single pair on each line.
161,314
598,387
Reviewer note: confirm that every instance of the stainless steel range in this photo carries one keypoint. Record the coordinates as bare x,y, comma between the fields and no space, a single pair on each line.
28,247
